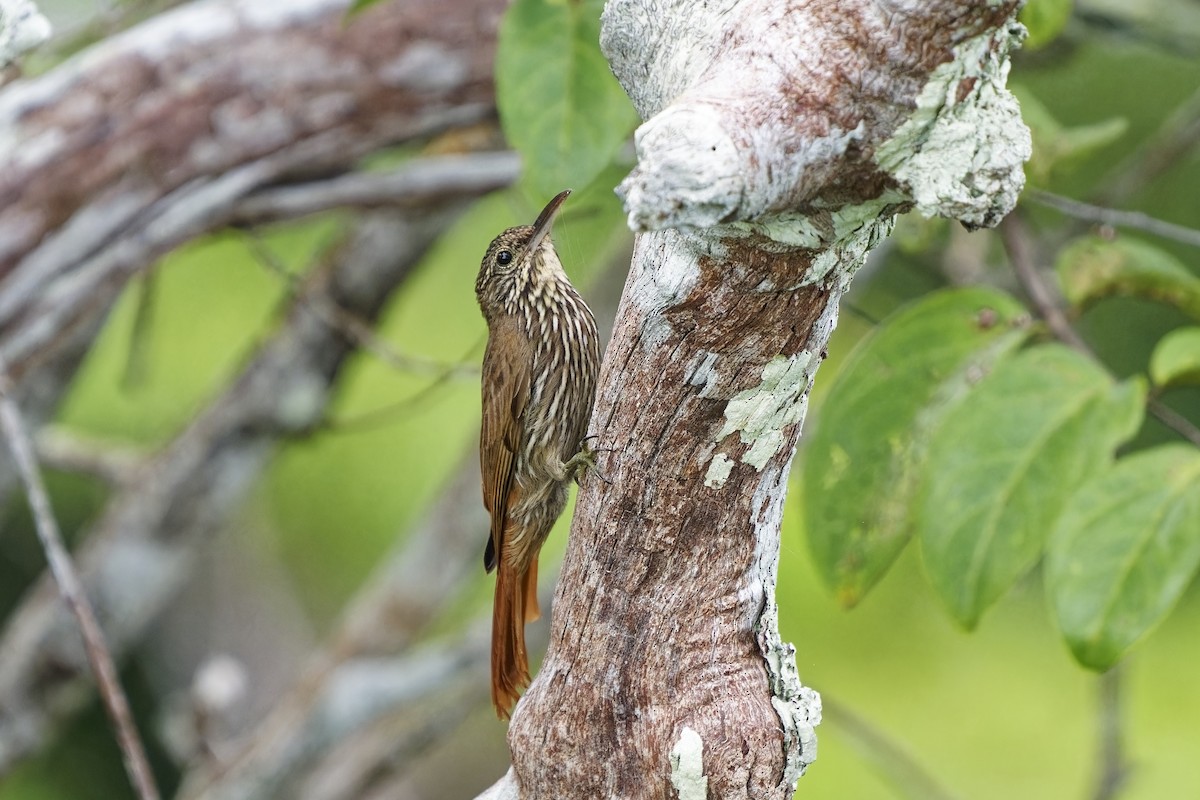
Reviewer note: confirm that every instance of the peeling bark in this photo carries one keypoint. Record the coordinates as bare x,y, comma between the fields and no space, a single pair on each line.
781,140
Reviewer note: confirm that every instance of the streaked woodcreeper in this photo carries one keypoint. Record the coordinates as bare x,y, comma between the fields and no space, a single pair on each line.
539,384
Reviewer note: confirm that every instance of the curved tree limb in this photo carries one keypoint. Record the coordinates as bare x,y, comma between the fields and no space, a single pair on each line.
781,139
161,133
153,136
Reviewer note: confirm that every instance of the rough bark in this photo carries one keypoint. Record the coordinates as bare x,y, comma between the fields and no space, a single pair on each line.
781,140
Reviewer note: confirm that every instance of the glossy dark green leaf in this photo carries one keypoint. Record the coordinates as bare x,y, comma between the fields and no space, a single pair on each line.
1092,268
1176,359
861,456
1123,551
560,105
1002,465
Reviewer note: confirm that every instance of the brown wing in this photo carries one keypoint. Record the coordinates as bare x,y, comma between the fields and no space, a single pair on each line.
506,378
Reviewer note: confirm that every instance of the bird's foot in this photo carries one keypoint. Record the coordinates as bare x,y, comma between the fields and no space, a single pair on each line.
584,461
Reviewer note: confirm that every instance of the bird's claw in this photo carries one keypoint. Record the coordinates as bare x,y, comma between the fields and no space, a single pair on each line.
584,461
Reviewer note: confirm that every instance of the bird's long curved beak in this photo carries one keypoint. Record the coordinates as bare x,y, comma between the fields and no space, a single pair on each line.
546,219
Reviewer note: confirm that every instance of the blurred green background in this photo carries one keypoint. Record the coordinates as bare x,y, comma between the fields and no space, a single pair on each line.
997,713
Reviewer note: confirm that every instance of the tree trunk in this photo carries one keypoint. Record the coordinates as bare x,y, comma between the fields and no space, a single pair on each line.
781,140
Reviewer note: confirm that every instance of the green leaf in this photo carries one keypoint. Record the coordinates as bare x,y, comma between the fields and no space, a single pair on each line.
1124,550
1058,148
859,461
1045,20
1092,268
1176,359
560,105
1002,465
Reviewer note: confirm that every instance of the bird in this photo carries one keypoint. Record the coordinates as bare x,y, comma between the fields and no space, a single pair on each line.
538,387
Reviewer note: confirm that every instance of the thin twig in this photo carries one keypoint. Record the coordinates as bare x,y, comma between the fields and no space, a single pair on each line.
417,183
356,330
137,356
897,766
114,463
98,655
1112,769
1115,217
1018,245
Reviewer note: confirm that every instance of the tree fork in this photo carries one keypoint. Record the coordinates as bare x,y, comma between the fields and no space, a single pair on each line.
781,140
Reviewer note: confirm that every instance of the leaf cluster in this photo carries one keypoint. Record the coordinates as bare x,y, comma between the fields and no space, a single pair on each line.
953,424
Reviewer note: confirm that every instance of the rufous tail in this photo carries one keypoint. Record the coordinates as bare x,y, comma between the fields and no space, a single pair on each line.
515,604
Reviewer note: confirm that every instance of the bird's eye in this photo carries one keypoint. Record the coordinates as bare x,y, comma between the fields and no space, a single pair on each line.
503,258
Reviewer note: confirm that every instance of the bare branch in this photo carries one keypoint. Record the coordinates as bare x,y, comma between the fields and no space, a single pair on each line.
1112,764
424,180
1019,247
709,150
116,464
99,658
1116,218
156,135
897,767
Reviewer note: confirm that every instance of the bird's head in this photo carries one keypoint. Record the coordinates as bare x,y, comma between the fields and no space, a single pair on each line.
520,264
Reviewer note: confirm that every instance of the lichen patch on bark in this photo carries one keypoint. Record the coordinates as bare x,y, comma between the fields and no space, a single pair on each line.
961,153
687,766
761,414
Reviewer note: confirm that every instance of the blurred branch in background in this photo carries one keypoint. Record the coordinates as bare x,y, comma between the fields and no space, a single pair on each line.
1112,762
86,215
139,552
899,769
415,184
1115,218
114,463
359,718
124,186
356,330
71,591
428,569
